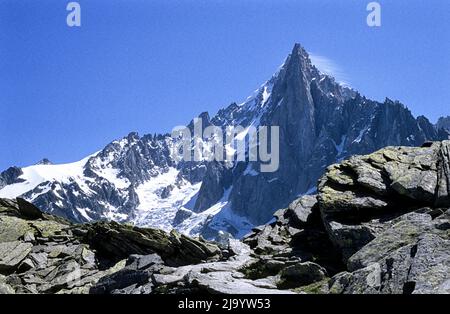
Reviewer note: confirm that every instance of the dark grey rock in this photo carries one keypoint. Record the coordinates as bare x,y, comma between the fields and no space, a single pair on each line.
443,123
28,210
301,274
126,279
181,215
300,210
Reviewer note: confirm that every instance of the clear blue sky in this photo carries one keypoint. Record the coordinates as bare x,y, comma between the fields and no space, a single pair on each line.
146,66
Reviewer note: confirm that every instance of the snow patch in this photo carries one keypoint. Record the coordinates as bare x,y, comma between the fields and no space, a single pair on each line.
193,224
361,134
265,96
83,212
220,216
111,175
158,211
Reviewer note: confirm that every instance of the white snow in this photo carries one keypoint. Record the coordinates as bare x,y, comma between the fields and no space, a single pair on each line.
113,213
122,143
158,212
83,212
227,217
37,174
111,175
265,96
193,224
361,134
44,190
259,98
222,216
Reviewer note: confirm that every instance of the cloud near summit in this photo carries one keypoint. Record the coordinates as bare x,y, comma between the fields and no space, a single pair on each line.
330,67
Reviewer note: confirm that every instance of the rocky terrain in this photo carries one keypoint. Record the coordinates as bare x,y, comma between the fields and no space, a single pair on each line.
379,223
136,179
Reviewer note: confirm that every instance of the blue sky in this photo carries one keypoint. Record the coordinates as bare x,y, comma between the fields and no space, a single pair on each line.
147,66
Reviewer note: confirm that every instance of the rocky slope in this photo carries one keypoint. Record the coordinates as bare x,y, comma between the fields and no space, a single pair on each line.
137,179
379,224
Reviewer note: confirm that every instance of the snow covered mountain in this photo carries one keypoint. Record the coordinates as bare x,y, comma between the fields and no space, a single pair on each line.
137,179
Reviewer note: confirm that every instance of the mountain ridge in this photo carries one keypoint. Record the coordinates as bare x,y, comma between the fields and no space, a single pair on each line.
136,179
379,224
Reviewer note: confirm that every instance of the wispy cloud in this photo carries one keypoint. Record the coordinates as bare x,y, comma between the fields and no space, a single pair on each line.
329,67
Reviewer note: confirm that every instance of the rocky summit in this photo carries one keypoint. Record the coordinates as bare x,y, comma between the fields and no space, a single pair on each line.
379,223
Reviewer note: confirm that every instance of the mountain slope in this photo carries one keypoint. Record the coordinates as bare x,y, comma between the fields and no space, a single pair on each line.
137,179
379,224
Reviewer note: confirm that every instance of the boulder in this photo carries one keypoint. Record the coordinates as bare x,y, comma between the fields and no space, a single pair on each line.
4,287
13,228
360,197
410,257
28,210
301,274
300,210
226,283
12,253
119,241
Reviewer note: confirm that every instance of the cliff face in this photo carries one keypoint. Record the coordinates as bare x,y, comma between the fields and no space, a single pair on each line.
443,123
378,224
321,122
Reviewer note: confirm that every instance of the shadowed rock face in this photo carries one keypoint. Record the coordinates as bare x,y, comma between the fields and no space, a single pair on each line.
321,122
10,176
379,224
444,123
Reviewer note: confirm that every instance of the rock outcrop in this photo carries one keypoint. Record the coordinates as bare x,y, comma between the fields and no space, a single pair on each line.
41,253
386,215
379,224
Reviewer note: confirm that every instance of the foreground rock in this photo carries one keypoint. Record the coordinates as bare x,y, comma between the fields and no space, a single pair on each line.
40,253
387,217
379,224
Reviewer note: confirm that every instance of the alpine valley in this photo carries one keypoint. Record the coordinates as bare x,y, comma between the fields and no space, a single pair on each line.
137,180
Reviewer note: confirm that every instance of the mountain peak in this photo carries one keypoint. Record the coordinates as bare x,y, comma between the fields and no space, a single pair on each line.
44,161
299,61
204,118
299,50
444,123
132,136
